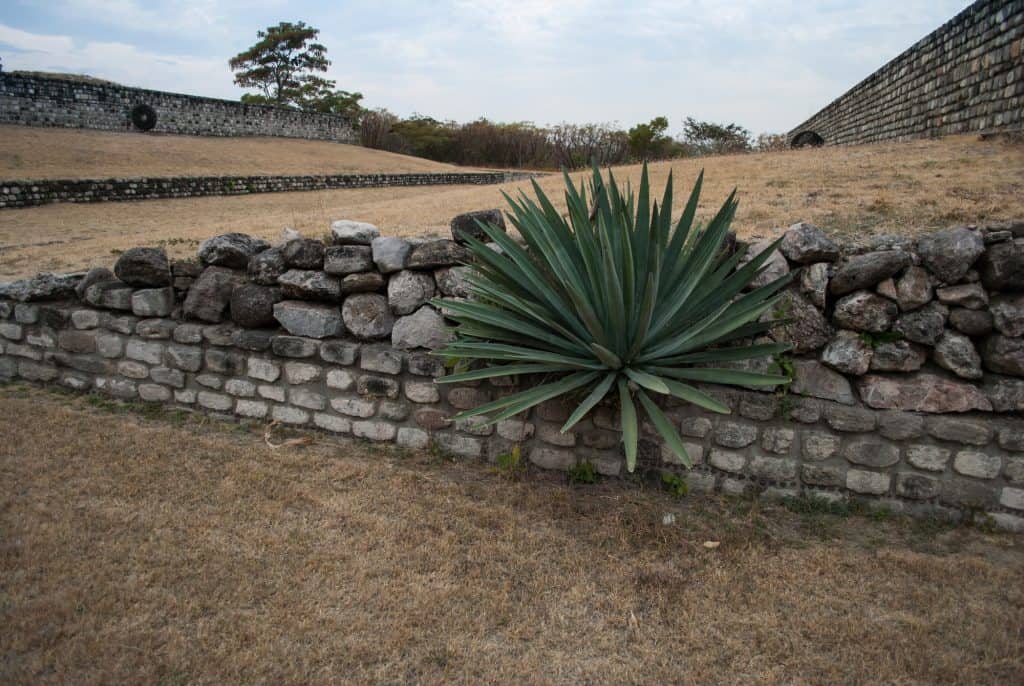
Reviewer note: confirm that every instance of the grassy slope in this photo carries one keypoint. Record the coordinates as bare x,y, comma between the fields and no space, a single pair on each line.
173,550
853,192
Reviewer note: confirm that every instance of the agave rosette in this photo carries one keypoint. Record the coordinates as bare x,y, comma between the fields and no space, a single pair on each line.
618,301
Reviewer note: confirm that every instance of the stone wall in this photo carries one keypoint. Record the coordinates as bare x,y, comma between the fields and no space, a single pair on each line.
40,101
45,191
967,75
908,360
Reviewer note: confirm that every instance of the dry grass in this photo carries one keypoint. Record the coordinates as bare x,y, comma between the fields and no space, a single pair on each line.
41,153
158,548
854,192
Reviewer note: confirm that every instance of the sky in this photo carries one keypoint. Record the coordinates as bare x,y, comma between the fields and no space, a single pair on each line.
765,64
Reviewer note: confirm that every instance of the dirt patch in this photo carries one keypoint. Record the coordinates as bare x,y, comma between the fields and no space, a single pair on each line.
147,545
853,192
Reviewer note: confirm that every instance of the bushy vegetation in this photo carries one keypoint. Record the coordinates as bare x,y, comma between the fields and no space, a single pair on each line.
615,301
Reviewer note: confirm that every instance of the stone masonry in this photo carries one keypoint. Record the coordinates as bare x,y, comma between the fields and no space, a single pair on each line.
908,360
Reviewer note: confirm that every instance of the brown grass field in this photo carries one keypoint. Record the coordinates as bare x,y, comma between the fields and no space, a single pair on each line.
854,192
140,545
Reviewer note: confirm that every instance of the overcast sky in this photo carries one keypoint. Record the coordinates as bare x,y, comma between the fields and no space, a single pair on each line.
765,64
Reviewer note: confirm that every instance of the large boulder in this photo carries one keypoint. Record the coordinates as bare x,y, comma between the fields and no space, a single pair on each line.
94,275
210,295
252,305
233,250
1006,393
1002,266
1003,355
42,286
363,282
266,267
814,283
864,271
955,352
348,259
436,253
921,393
452,282
814,379
348,232
805,243
303,253
424,328
898,356
466,224
924,325
1008,314
112,295
864,311
950,253
848,353
144,267
408,290
974,323
806,329
969,295
310,320
306,284
368,316
913,289
774,268
390,253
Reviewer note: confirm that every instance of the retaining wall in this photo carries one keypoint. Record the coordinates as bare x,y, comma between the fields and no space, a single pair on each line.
908,362
41,101
967,75
45,191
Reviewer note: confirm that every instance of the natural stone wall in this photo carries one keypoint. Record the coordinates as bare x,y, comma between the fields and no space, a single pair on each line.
45,191
40,101
908,361
967,75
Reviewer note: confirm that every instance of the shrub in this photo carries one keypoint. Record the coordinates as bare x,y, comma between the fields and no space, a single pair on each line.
616,302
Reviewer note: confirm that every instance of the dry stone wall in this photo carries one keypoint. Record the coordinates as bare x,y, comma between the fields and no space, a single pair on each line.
45,191
41,101
908,359
967,75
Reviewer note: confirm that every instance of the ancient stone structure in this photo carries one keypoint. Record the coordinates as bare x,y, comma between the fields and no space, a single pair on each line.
967,75
908,359
45,191
40,101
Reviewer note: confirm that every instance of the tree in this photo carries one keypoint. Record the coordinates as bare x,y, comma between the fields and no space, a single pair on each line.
337,102
648,141
708,138
282,64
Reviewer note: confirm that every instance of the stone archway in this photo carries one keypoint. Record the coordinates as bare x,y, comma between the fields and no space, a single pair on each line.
806,139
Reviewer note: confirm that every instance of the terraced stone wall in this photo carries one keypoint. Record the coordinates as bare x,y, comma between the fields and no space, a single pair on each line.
908,359
967,75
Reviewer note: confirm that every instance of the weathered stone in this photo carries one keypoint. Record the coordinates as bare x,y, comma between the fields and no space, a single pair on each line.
364,282
252,305
113,295
921,393
960,430
348,259
348,232
263,369
823,475
735,434
864,271
761,406
1002,266
898,356
215,401
303,253
451,281
224,362
1003,355
188,333
153,302
923,326
1012,438
305,398
211,293
772,468
368,316
1008,314
390,253
186,268
848,353
807,329
77,341
696,427
354,407
978,465
145,267
955,352
240,388
11,331
552,458
408,290
816,380
1012,498
913,289
804,243
969,295
256,340
308,319
974,323
466,224
967,493
432,419
380,358
515,430
871,453
851,419
928,457
774,268
377,386
900,426
266,267
436,253
304,284
870,483
301,372
413,439
950,253
290,415
425,328
219,334
253,409
463,398
887,288
339,352
233,250
865,311
422,392
726,460
917,486
160,329
340,379
42,286
814,283
186,358
93,275
293,346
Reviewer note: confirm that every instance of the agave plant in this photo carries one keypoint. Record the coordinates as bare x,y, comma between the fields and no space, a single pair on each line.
613,298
